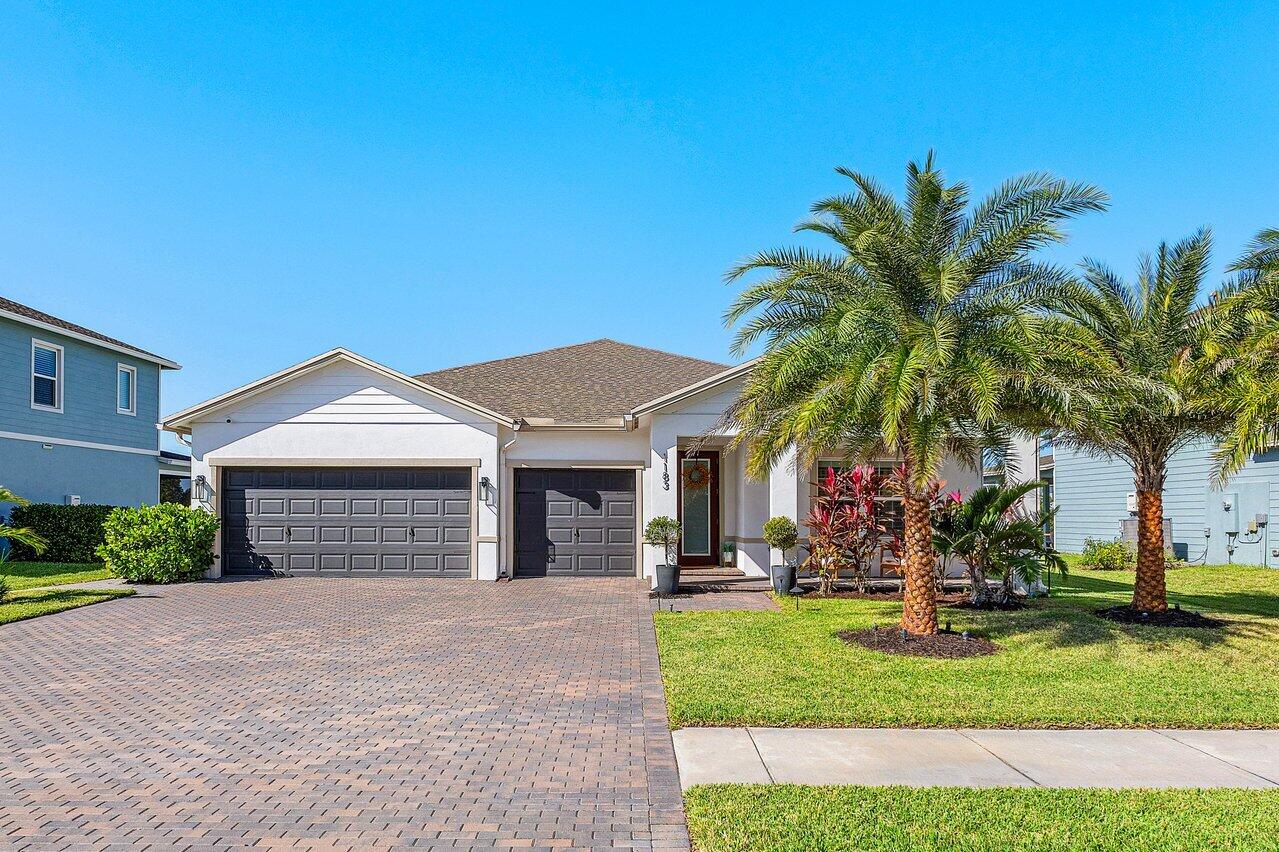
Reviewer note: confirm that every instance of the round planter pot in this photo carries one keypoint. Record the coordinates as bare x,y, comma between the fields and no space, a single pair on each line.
667,579
783,577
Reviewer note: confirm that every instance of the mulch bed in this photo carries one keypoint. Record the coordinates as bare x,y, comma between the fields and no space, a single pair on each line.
1167,618
946,645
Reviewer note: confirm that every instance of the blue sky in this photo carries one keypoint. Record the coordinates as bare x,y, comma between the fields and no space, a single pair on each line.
239,190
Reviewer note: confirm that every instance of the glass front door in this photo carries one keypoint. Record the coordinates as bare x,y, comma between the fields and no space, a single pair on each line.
699,508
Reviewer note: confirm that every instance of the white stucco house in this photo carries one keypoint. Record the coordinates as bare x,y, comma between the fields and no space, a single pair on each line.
543,464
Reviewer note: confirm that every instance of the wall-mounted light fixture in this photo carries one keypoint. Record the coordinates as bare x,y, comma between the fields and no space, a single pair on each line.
200,488
486,488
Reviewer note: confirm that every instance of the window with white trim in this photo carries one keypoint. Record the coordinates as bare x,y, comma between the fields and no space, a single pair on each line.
46,376
890,505
126,389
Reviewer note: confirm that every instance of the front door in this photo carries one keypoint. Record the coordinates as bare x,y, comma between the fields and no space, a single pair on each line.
699,507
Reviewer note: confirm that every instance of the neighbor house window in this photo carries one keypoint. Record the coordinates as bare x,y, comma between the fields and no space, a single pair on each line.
46,376
126,391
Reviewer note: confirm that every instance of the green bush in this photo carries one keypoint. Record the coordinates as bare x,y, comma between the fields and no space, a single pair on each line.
4,589
73,533
1113,555
167,543
780,532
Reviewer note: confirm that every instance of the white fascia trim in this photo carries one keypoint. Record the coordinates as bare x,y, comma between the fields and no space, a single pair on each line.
84,338
180,421
693,389
279,461
546,424
88,445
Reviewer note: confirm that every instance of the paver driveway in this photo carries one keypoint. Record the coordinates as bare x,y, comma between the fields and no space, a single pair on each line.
361,713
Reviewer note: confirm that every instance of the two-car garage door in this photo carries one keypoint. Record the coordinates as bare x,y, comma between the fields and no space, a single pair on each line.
347,521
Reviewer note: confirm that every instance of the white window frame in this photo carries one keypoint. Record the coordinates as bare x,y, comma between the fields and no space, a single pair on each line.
59,380
132,410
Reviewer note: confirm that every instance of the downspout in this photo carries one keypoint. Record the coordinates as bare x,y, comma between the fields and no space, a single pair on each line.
503,571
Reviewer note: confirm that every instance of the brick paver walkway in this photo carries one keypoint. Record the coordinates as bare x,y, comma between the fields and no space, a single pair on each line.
320,713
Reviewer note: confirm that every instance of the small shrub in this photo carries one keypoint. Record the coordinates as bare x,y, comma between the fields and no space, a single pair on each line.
663,531
167,543
4,589
780,532
71,533
1113,555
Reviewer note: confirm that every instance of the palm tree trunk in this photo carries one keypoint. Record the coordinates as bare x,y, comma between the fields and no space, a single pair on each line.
919,595
1150,593
979,593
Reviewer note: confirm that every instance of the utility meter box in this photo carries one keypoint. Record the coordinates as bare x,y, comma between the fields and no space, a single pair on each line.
1132,502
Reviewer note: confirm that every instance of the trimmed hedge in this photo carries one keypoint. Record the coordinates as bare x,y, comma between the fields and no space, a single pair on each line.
73,532
167,543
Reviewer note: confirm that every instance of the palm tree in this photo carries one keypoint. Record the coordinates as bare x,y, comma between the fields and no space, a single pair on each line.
924,334
22,535
1191,373
994,535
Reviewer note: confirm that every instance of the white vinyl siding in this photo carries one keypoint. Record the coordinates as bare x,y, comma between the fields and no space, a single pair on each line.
46,376
126,389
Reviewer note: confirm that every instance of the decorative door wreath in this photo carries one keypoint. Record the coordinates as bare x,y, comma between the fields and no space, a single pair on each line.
697,476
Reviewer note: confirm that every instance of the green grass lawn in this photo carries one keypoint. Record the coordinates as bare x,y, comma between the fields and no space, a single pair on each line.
33,603
31,575
1060,666
739,817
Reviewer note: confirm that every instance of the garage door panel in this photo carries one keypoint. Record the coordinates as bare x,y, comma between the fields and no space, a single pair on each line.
301,506
269,506
567,522
335,535
298,534
369,522
303,479
301,563
334,507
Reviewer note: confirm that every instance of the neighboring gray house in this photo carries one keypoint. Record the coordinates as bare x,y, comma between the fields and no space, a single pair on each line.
1212,525
79,413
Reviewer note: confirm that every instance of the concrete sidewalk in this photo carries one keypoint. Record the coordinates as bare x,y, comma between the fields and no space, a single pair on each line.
978,758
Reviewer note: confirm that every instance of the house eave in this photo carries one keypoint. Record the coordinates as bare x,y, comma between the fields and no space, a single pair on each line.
49,327
678,396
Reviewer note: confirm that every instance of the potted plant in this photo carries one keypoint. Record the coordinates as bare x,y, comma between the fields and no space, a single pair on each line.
663,531
727,553
780,533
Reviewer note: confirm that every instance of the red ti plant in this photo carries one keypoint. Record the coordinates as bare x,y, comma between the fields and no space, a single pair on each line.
846,528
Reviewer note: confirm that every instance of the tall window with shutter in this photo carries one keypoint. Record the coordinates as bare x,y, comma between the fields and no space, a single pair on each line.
126,399
46,376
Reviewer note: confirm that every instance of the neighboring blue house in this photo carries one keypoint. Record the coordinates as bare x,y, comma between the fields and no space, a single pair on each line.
78,414
1092,496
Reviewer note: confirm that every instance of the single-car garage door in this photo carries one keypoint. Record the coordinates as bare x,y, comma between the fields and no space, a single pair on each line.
347,521
575,522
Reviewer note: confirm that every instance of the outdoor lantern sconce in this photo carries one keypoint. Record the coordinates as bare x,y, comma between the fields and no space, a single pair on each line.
486,487
203,493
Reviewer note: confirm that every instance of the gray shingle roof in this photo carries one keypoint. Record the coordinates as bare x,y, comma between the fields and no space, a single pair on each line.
48,319
586,383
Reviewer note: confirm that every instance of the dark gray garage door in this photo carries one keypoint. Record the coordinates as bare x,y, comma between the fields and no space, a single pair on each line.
579,522
356,521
